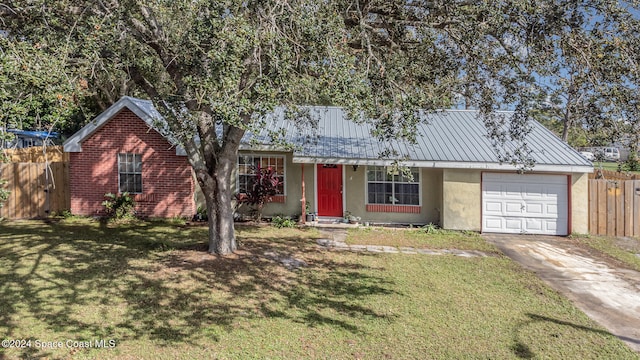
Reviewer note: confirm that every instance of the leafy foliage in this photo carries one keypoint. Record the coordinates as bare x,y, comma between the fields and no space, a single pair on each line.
37,91
430,228
224,65
283,222
262,189
632,163
4,193
119,206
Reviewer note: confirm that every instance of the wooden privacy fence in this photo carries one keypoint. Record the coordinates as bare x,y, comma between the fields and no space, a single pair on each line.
614,207
37,189
37,154
38,179
613,175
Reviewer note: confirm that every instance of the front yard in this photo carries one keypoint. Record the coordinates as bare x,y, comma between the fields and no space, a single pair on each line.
151,291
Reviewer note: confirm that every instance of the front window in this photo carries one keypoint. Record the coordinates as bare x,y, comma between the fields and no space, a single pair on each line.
130,173
249,164
388,186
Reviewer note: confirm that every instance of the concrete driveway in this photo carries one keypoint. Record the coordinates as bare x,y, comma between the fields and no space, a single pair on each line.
608,294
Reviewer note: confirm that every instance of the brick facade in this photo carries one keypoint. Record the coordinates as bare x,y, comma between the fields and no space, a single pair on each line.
167,183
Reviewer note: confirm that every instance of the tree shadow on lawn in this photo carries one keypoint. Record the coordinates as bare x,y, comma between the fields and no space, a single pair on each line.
158,282
523,351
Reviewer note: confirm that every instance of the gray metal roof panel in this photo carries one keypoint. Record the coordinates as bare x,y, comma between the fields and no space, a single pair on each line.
446,136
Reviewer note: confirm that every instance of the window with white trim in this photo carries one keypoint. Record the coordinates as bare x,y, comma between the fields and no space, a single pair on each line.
130,173
386,186
249,164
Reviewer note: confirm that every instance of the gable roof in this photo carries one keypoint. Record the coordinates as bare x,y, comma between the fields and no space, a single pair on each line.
144,109
448,139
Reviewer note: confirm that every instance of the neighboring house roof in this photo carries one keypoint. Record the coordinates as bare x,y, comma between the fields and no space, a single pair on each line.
42,135
448,139
144,109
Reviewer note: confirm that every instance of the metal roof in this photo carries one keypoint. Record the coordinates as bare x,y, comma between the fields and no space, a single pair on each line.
446,139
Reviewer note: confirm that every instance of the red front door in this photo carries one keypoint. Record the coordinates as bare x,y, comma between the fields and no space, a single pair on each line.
330,190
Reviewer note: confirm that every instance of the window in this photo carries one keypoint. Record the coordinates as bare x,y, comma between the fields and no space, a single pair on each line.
386,187
248,165
130,173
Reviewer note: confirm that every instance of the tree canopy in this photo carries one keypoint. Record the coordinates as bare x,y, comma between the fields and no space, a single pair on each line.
223,64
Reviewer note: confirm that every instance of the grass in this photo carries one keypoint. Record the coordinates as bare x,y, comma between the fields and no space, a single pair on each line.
611,166
419,238
153,289
624,250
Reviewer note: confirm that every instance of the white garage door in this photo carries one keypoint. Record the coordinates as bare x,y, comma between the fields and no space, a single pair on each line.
527,204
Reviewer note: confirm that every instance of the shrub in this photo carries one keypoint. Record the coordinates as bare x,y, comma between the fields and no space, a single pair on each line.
632,163
201,214
119,206
430,228
4,193
261,190
282,222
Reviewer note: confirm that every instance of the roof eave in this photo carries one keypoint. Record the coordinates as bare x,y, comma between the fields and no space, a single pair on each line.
262,147
444,164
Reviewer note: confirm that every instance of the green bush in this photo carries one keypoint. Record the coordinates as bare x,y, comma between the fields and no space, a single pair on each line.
282,222
119,206
4,193
430,228
632,163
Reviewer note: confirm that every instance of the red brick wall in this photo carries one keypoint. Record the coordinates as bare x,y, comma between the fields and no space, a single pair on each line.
167,185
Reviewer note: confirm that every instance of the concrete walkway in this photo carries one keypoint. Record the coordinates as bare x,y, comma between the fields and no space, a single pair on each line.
608,294
334,238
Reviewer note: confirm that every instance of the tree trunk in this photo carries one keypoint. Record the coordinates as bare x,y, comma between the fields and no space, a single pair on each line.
566,125
218,195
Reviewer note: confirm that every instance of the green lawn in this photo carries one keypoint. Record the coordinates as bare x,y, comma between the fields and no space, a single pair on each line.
624,250
419,238
611,166
153,289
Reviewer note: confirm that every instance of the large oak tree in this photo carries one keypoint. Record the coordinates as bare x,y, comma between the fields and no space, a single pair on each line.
213,68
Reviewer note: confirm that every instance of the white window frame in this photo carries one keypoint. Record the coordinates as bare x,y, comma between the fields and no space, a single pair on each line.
134,172
261,156
393,183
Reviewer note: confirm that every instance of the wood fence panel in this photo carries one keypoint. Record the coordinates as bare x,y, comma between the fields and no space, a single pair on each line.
59,194
37,154
612,175
614,207
611,209
619,194
601,206
636,208
593,205
628,208
37,190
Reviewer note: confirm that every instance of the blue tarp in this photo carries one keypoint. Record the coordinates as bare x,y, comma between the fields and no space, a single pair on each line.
42,135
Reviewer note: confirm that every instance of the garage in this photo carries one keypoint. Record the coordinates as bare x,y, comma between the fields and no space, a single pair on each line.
525,203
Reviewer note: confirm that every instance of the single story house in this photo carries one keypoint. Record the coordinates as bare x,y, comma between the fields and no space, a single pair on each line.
457,180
